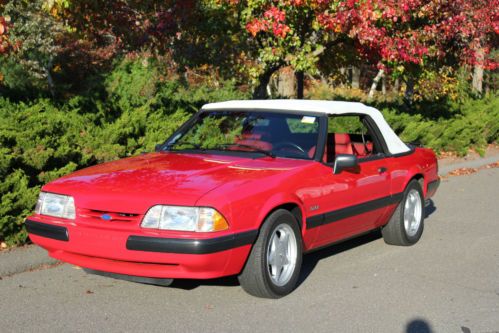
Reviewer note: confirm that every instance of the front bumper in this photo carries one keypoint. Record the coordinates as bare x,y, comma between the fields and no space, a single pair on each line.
135,253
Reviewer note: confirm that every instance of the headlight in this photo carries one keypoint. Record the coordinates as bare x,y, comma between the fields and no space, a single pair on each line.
198,219
55,205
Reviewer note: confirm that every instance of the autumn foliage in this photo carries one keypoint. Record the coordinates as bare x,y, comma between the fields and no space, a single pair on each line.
392,32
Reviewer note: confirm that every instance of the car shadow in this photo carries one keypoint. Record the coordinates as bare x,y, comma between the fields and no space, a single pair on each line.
186,284
429,208
310,260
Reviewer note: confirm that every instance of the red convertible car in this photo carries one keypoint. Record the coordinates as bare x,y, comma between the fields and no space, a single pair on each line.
243,188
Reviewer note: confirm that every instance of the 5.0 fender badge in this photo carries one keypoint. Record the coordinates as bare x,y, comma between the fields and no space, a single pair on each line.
314,207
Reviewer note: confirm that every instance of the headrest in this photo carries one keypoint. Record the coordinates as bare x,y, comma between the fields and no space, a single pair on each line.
342,138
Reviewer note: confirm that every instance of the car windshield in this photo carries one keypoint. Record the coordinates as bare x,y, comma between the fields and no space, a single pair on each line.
267,133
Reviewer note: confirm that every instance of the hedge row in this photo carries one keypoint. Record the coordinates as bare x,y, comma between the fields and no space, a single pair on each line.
471,125
43,139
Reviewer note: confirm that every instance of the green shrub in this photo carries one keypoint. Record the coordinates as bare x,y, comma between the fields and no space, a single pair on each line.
474,125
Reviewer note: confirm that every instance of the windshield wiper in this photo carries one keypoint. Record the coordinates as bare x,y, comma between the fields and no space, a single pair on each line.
259,150
192,144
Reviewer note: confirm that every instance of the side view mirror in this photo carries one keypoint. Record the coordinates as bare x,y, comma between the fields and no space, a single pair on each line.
343,162
158,147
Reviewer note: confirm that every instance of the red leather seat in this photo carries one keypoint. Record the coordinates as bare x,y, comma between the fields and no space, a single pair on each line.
342,143
362,150
254,140
256,143
359,149
328,151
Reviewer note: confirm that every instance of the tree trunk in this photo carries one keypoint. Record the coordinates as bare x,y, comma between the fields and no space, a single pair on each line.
299,84
478,73
286,82
409,90
383,85
260,91
50,80
396,86
355,77
378,77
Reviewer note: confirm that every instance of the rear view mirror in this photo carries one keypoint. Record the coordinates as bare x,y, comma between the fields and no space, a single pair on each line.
344,161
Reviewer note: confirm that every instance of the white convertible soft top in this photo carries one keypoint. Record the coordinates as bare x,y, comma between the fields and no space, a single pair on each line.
395,145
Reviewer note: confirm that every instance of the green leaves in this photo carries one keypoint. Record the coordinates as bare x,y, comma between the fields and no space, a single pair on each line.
43,140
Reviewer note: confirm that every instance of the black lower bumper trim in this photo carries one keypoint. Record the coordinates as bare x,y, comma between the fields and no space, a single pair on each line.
132,278
432,188
190,246
47,230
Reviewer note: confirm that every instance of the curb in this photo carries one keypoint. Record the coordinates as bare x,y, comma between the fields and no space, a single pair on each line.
24,259
477,163
31,257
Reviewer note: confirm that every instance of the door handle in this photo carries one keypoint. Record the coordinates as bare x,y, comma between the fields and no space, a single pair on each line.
382,169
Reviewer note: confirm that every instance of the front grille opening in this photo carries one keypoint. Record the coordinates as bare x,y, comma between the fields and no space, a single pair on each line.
107,215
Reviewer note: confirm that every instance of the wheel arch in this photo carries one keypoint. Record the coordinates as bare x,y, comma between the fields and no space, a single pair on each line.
419,176
293,208
415,172
289,203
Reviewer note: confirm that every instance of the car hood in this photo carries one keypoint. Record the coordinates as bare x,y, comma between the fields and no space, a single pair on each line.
133,185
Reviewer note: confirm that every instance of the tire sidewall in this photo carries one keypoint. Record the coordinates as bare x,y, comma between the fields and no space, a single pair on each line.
413,185
273,222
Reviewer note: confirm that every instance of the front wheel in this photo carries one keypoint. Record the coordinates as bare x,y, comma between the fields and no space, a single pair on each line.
407,222
273,266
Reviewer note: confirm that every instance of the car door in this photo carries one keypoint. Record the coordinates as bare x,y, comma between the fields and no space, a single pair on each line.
354,200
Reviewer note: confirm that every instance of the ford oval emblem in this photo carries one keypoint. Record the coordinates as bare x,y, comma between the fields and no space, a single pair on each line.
106,217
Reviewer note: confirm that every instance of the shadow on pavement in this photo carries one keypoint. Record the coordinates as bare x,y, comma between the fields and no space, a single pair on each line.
312,259
429,208
418,326
228,281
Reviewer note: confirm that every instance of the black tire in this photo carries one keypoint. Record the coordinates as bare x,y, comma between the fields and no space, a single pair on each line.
255,277
394,232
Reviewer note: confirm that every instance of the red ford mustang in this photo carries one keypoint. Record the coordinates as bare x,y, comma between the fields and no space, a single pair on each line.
244,187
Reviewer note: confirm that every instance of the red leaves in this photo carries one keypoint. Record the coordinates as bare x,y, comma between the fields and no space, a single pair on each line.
274,14
409,30
272,21
394,31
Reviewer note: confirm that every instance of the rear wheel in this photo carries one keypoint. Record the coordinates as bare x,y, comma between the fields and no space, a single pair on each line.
407,222
273,266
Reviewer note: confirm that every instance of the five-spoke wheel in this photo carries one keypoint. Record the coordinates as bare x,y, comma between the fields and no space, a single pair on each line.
406,224
273,266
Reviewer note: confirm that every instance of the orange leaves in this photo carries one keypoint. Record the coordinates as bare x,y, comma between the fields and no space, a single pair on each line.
4,23
255,26
4,29
462,172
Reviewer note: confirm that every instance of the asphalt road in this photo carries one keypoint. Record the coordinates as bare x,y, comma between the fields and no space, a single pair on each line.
448,282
